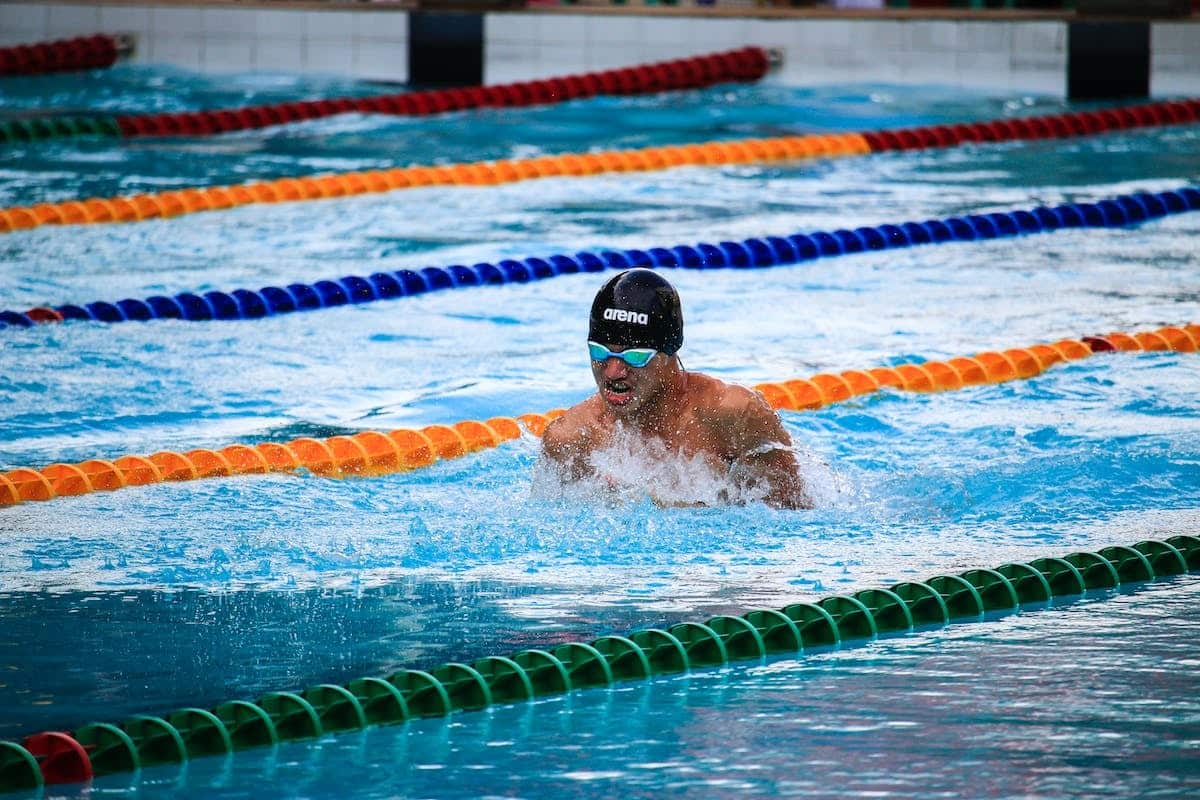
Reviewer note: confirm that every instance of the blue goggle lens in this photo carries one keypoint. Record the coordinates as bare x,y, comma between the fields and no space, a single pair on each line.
635,357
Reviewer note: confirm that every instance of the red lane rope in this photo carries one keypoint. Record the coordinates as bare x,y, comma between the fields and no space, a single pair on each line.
744,65
65,55
1052,126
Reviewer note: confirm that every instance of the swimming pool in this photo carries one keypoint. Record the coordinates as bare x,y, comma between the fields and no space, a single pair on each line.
188,594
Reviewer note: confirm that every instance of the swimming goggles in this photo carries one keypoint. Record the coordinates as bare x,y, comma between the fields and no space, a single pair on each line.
636,357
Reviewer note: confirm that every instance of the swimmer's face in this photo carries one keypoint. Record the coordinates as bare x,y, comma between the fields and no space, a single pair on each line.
626,389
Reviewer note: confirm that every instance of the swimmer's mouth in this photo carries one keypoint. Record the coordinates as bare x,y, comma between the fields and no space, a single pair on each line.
617,392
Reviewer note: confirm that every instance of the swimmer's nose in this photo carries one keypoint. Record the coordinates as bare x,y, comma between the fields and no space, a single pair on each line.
615,368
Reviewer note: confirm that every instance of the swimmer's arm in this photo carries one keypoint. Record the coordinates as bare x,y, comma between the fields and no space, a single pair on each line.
568,445
765,455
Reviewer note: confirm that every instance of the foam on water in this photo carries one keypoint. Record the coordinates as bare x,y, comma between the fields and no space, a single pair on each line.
632,469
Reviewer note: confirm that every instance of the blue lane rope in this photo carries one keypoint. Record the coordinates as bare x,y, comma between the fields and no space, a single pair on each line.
768,251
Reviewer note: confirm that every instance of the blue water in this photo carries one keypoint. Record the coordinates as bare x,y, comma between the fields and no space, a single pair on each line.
154,598
1092,699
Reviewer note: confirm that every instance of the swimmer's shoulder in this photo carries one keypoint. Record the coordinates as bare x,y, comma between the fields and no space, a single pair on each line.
735,415
727,400
578,427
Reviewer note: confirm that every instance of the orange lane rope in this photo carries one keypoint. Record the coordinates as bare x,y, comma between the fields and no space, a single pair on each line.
133,208
373,453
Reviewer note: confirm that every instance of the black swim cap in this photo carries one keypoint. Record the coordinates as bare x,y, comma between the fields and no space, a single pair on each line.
637,308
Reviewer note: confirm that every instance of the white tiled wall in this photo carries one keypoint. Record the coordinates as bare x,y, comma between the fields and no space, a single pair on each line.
1174,58
365,44
524,46
1010,57
1017,56
21,23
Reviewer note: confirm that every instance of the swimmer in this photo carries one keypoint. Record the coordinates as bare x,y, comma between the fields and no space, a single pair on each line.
644,393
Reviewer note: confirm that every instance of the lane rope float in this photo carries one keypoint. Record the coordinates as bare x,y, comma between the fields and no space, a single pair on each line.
743,65
767,251
134,208
65,55
371,453
977,594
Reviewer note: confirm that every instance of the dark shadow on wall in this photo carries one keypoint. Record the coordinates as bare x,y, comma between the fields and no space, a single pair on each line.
1108,60
445,48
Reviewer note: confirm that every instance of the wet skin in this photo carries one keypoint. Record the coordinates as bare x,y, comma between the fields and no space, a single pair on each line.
730,426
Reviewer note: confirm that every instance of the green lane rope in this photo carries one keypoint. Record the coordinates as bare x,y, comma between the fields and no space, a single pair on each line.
39,128
146,740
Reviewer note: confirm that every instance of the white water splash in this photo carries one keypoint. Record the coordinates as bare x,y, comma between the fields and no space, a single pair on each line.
632,469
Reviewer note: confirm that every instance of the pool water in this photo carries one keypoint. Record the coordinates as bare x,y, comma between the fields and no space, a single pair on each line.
1039,705
152,598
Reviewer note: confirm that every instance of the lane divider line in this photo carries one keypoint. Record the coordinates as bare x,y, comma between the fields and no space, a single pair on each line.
64,55
767,251
134,208
974,595
372,453
744,65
